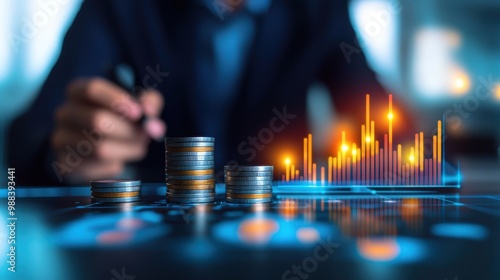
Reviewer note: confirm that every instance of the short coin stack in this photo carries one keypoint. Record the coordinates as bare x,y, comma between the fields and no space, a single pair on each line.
249,184
189,169
115,190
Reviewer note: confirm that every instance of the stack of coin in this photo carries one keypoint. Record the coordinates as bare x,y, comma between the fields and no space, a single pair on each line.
115,190
249,184
189,169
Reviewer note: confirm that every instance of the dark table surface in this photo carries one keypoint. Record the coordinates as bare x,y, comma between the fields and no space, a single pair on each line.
306,233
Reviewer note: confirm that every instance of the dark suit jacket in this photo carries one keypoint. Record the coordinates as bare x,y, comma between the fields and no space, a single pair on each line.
295,44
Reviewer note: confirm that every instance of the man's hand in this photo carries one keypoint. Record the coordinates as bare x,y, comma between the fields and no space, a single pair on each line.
98,107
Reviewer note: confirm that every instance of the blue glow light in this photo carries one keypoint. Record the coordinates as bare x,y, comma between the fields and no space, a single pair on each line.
117,229
402,250
284,234
459,230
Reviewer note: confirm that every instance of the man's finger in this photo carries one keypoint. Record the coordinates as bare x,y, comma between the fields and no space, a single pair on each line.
105,94
65,140
102,121
151,102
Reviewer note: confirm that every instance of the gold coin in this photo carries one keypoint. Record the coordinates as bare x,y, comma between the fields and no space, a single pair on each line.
190,172
115,194
190,149
246,195
190,182
191,187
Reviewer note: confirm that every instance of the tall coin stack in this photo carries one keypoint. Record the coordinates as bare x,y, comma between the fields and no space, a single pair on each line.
189,169
115,190
249,184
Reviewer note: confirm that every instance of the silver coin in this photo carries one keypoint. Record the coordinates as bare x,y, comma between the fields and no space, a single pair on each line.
248,183
116,199
247,173
190,183
188,162
177,191
189,195
189,177
189,139
190,200
231,191
189,167
248,201
115,183
236,188
118,189
249,168
246,179
197,158
180,154
189,144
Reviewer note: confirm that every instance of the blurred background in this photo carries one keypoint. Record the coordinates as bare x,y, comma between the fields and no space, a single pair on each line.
33,31
441,57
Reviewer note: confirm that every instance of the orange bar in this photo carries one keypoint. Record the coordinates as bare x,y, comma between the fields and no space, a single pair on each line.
394,168
292,173
386,156
381,166
343,156
287,166
354,151
344,168
367,114
305,158
348,170
372,152
417,158
309,155
431,172
421,150
322,175
334,166
403,177
412,166
330,170
377,165
408,174
358,166
363,149
439,152
390,117
389,151
314,173
297,175
399,163
426,182
354,165
434,156
339,167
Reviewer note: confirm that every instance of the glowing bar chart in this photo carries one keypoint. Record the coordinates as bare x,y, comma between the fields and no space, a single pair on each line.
374,162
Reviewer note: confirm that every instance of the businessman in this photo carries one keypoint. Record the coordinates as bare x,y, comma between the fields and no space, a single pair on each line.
132,71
